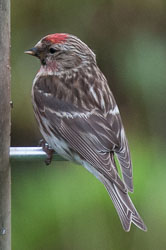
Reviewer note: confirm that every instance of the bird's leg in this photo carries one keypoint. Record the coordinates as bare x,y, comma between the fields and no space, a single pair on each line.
48,150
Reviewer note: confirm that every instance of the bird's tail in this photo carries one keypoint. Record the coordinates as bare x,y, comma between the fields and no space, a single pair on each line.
124,207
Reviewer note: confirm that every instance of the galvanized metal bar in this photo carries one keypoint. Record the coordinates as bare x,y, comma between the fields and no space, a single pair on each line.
30,153
5,178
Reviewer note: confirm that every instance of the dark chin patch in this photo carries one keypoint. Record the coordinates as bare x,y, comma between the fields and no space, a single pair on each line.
43,62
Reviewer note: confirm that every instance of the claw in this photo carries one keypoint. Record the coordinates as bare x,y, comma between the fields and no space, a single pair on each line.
48,150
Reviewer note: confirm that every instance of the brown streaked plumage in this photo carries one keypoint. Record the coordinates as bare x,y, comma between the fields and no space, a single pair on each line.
78,117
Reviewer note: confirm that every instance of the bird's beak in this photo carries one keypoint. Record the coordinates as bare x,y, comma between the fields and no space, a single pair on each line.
32,52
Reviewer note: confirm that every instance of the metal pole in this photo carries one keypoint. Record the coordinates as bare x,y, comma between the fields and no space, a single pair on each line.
5,179
30,153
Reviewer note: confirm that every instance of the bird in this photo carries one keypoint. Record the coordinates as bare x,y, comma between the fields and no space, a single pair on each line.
78,117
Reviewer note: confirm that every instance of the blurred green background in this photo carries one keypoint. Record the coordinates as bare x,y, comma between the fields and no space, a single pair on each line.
63,206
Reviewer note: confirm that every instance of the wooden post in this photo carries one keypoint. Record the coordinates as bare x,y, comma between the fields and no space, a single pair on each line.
5,180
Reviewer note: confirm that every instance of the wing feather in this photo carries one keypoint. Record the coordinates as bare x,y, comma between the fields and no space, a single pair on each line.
92,134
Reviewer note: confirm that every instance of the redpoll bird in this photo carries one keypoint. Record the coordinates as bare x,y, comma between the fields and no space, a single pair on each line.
79,118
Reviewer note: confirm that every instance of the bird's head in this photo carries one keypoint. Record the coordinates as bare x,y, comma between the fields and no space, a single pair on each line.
62,52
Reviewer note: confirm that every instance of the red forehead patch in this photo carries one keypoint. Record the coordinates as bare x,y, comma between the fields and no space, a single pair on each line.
56,38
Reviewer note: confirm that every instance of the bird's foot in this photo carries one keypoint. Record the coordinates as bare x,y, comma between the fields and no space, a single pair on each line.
48,150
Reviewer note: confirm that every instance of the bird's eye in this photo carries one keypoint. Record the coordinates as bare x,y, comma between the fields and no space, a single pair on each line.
52,50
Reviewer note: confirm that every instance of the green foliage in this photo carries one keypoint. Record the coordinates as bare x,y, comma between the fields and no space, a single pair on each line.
64,207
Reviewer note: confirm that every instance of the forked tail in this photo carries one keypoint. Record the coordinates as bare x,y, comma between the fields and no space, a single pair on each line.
124,207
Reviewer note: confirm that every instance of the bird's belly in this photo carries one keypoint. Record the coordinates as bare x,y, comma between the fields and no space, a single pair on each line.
59,145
